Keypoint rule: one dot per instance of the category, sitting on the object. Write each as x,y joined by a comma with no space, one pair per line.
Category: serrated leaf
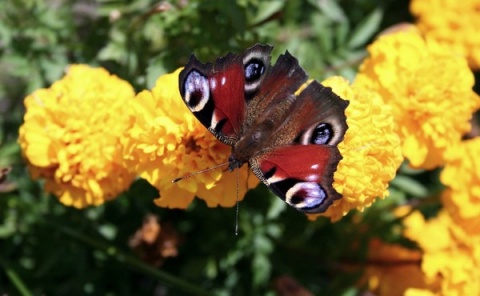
365,30
53,65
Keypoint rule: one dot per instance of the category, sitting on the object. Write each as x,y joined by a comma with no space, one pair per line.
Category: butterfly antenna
238,204
199,172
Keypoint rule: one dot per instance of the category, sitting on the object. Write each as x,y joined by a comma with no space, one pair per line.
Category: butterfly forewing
215,95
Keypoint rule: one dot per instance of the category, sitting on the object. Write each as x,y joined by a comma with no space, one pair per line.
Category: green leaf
366,29
266,9
331,9
261,268
410,186
341,33
277,207
155,68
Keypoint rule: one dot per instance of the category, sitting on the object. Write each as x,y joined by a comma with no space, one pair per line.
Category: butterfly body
288,140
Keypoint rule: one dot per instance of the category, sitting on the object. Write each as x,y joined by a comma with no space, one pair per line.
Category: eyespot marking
305,195
320,134
254,70
197,91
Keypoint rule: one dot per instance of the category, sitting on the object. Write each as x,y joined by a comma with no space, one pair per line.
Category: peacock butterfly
289,140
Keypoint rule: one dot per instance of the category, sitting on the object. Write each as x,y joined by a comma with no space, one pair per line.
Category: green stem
135,263
15,279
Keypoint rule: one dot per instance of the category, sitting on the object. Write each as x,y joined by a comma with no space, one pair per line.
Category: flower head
462,176
450,255
167,142
429,89
452,23
71,136
370,150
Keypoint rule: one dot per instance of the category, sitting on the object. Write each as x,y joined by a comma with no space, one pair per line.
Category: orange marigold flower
370,150
163,145
450,255
429,89
418,292
71,136
452,23
386,267
462,175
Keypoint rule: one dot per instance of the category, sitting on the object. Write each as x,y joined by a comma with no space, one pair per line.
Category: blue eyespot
254,70
197,91
322,134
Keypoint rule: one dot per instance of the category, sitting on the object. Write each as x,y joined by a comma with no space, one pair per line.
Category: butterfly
288,139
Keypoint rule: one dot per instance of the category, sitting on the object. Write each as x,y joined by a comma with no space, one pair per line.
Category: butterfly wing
279,82
301,159
300,175
217,93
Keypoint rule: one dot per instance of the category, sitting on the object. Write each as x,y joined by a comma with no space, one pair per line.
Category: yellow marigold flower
370,150
462,175
453,23
71,136
429,89
449,253
163,145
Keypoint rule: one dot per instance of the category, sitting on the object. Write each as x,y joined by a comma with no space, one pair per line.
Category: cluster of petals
71,136
451,23
451,255
428,88
445,261
461,175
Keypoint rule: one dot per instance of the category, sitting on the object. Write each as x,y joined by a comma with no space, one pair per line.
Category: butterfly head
233,163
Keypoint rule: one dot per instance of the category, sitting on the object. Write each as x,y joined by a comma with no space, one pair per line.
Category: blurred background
130,246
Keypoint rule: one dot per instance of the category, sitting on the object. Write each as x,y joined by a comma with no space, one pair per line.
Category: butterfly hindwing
300,162
301,175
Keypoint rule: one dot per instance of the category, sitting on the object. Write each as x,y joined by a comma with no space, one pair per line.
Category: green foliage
50,249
